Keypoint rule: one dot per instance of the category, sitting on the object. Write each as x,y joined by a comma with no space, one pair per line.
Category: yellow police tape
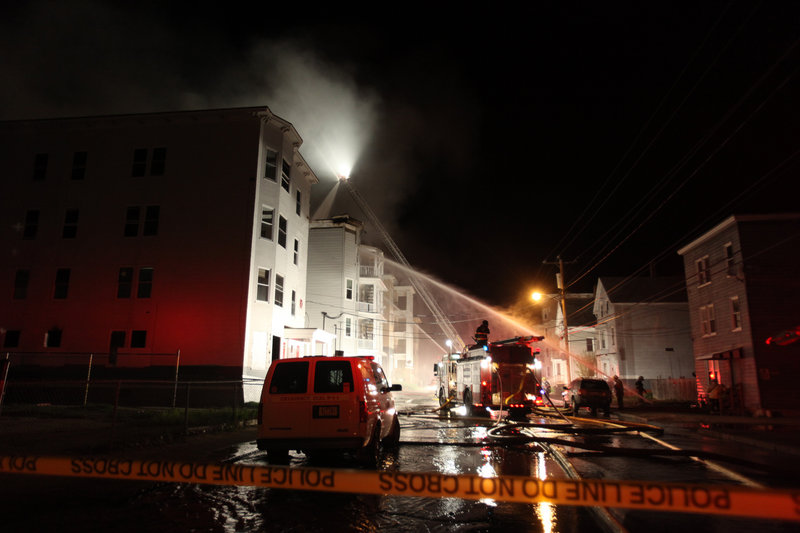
681,497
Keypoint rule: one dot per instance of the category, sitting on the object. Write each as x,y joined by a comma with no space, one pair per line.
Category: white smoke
334,117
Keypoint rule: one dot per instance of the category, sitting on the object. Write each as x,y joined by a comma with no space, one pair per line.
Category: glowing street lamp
536,296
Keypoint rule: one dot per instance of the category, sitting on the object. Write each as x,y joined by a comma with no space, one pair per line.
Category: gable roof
668,289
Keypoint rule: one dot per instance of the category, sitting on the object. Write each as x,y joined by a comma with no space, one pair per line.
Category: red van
327,403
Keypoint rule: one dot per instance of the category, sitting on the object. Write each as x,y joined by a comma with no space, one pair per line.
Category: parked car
585,392
320,403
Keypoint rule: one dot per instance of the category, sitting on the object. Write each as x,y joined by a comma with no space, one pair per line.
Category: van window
289,378
380,378
333,376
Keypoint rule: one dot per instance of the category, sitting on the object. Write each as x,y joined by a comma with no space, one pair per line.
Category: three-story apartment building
743,289
147,234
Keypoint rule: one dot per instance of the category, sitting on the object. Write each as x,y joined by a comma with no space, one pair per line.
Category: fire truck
499,374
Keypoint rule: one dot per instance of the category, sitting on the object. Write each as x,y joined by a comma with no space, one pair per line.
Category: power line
703,141
641,132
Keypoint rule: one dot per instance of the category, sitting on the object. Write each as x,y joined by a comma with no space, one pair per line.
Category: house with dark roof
643,328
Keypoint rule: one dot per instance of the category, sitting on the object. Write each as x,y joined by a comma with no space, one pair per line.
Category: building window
294,302
282,231
285,170
348,290
296,251
730,266
708,320
12,339
402,302
366,329
736,314
278,290
139,167
62,284
271,165
298,204
159,163
267,221
589,345
79,165
262,290
132,221
613,337
40,167
70,230
116,341
348,327
138,338
21,280
52,339
151,215
703,271
603,341
367,295
124,282
145,288
31,224
401,346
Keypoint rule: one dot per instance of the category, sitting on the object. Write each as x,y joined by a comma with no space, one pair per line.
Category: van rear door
334,407
285,399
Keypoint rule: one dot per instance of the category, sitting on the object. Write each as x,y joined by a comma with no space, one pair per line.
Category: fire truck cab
500,374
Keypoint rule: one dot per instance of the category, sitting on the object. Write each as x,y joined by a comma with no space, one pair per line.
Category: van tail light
362,411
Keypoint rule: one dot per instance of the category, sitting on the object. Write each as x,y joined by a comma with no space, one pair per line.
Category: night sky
487,141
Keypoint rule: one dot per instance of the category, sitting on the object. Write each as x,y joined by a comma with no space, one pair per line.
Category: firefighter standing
482,334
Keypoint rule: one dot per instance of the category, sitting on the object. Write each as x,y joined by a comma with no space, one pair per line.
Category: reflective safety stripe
733,500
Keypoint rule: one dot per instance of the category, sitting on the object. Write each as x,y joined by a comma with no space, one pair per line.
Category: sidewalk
778,435
83,437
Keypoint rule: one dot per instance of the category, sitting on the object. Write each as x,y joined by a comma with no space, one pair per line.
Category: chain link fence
70,385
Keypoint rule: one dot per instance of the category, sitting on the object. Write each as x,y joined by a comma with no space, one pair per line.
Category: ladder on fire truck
438,315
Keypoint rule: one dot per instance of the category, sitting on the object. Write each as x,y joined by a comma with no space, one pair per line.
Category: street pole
562,286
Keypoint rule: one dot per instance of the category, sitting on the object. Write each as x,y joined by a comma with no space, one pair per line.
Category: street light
536,296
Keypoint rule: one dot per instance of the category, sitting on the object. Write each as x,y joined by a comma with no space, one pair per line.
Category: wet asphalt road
429,443
32,503
258,509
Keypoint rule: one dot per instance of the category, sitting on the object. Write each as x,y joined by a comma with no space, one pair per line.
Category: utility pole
562,286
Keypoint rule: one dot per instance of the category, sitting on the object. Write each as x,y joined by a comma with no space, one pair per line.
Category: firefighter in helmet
482,334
